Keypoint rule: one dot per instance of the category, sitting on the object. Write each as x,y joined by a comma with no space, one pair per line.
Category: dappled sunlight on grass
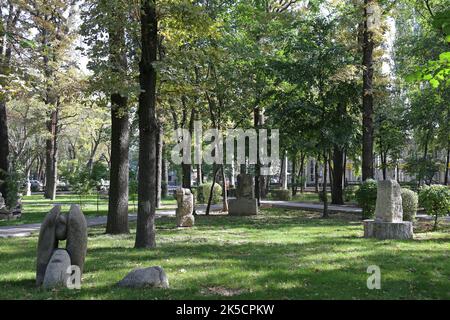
279,254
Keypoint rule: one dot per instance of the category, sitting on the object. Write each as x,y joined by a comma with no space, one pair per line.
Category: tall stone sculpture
185,202
245,203
388,223
50,269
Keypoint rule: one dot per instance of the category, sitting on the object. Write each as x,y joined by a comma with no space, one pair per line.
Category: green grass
35,207
277,255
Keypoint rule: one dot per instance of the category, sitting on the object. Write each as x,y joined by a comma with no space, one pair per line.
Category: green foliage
204,190
281,194
435,199
99,171
409,203
350,193
366,196
12,183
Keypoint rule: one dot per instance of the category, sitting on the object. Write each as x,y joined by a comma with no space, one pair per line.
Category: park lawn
279,254
35,207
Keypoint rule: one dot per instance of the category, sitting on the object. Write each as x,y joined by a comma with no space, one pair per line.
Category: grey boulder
152,277
56,274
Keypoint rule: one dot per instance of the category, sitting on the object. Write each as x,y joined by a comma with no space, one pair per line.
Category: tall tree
118,191
367,94
145,229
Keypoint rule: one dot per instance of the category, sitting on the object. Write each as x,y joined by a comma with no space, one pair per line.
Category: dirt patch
222,291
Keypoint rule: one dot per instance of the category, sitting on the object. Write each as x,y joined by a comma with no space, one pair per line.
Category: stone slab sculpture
185,209
56,273
388,222
152,277
245,203
57,227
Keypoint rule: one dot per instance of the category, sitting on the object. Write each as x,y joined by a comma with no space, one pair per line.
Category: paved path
332,208
311,206
25,230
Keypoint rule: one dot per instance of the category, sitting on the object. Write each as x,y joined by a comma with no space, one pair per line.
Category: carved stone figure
185,202
57,227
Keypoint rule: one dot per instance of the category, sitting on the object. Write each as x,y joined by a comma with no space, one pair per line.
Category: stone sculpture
54,228
388,223
185,202
245,203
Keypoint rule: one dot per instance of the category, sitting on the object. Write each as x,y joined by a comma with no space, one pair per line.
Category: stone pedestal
185,202
388,223
242,207
245,204
388,230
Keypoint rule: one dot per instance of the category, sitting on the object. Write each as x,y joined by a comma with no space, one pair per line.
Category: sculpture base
388,230
242,207
185,221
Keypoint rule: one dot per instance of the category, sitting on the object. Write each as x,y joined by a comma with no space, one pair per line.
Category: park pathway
24,230
310,206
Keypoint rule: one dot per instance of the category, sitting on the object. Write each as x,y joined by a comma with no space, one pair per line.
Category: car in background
36,186
62,186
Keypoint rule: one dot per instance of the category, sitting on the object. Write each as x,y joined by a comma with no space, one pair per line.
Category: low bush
366,196
409,202
350,193
205,189
281,194
435,199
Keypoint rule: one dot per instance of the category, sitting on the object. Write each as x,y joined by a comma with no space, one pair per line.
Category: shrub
203,193
366,196
435,199
409,203
350,193
281,194
13,188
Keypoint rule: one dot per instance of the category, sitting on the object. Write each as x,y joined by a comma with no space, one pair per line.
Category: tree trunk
224,190
302,173
165,176
159,149
51,152
4,146
199,175
367,97
338,172
447,164
324,188
117,221
316,175
208,206
145,228
294,176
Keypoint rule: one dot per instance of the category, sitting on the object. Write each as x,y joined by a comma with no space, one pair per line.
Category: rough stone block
242,207
388,230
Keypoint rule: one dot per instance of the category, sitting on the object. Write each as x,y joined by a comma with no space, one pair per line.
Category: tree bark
294,175
165,176
4,146
324,188
117,222
338,172
224,190
159,149
51,152
215,171
367,97
316,175
447,164
145,228
302,173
